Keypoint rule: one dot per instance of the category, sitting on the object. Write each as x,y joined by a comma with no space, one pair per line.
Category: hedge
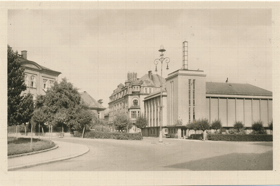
110,135
196,136
234,137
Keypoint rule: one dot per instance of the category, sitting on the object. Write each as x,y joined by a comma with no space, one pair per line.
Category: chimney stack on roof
150,74
185,55
24,54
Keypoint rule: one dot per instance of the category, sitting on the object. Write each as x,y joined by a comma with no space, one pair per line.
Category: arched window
135,102
33,81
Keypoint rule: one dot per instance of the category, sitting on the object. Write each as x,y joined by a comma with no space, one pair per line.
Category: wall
231,109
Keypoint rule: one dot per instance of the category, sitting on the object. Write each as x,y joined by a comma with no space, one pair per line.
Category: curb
35,152
48,161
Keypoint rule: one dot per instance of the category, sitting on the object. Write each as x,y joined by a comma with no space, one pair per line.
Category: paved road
173,155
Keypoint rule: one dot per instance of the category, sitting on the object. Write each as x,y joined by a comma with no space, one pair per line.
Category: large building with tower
189,97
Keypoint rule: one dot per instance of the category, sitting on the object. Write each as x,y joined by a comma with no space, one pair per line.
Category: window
26,80
194,113
133,114
194,92
189,92
138,113
33,82
145,90
135,102
45,83
98,114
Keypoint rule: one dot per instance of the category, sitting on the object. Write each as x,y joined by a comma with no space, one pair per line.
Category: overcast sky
94,49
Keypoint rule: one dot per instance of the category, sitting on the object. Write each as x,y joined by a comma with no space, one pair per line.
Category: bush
258,128
101,128
196,136
110,135
235,131
222,130
230,137
216,125
238,125
202,124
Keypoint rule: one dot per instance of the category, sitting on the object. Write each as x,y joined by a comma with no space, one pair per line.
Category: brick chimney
24,54
150,74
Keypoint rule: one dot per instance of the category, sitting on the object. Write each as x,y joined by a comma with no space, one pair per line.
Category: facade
37,77
152,104
95,106
128,97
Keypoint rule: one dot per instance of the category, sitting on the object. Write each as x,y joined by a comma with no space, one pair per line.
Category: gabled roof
40,67
91,102
235,89
155,81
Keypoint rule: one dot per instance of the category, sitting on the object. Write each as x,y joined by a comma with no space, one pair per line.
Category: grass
22,145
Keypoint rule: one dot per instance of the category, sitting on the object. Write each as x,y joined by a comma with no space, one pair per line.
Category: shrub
222,130
202,124
238,125
216,125
258,128
110,135
196,136
101,128
230,137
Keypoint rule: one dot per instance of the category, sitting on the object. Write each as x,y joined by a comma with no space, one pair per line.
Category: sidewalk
64,151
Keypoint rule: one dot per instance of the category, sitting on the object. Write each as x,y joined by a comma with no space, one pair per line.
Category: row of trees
122,122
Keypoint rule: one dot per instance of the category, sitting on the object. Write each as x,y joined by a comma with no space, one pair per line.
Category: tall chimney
24,54
185,55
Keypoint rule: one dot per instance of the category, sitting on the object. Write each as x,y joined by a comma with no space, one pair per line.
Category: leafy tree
203,124
216,125
258,127
62,101
83,119
238,125
141,122
121,121
16,86
40,117
26,108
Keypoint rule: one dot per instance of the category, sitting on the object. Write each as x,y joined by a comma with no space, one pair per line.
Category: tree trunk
83,132
16,132
43,134
31,139
25,129
39,130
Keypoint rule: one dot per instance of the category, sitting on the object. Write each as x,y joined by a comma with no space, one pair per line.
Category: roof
155,81
235,89
25,61
91,102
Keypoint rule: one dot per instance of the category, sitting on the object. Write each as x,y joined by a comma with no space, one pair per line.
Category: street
172,155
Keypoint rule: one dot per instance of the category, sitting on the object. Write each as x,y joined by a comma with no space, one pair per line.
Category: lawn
22,145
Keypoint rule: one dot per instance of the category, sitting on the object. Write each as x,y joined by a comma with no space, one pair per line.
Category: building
128,97
189,97
37,77
95,106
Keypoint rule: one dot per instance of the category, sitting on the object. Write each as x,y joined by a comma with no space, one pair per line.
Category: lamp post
161,60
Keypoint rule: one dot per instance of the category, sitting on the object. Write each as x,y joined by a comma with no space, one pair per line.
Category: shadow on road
234,161
268,144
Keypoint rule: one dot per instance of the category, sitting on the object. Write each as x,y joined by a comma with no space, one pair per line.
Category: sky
95,49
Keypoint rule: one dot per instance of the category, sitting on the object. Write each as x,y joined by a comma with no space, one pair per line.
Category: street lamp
161,60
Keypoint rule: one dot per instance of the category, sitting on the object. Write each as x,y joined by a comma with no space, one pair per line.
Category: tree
16,86
26,109
121,121
83,119
40,117
62,101
216,125
203,124
141,122
258,127
238,125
